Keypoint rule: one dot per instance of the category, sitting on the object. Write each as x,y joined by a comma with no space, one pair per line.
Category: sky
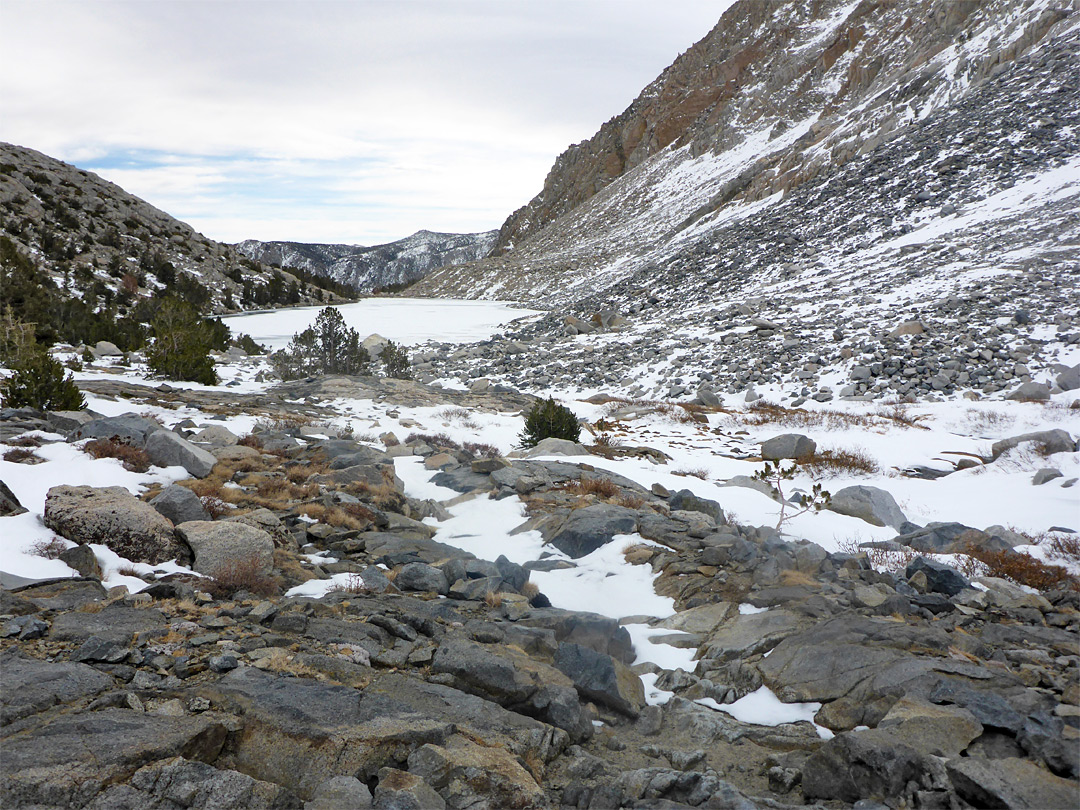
351,121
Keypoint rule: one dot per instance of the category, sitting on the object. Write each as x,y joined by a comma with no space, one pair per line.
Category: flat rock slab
219,545
748,633
299,732
64,761
32,686
586,530
1010,783
116,624
63,594
115,518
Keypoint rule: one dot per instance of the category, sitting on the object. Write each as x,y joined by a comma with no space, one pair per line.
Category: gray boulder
1069,379
853,766
1031,392
32,686
268,522
401,790
874,505
217,436
949,538
940,578
219,544
422,577
9,504
116,518
471,775
1049,441
202,786
83,560
601,678
340,792
1010,783
129,427
168,449
787,445
685,500
1044,475
589,528
179,504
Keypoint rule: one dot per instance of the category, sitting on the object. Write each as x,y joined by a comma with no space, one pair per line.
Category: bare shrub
252,440
215,506
49,549
630,501
696,472
353,583
831,462
134,459
440,440
1065,548
22,455
530,590
242,575
481,450
28,440
493,600
1024,569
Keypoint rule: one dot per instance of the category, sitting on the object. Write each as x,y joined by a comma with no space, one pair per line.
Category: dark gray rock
787,445
82,559
1031,392
591,630
601,678
9,504
872,504
65,760
940,578
1069,379
850,767
179,504
421,577
116,518
116,623
168,449
950,538
1045,475
1009,783
32,686
129,427
585,530
685,500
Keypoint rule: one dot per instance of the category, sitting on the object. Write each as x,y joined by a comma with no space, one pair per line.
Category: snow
404,320
763,708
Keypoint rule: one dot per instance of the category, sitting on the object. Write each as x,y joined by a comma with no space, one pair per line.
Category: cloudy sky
355,121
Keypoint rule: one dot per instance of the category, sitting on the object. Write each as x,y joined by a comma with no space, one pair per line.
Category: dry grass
530,590
461,416
134,459
439,440
383,496
980,421
630,501
351,516
791,577
1065,548
242,575
493,600
27,441
22,455
49,549
695,472
481,450
764,412
251,440
600,487
831,462
352,584
215,507
129,571
1024,569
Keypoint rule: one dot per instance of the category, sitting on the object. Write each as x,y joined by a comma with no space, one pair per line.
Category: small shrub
481,450
251,440
353,583
1023,569
696,472
548,419
242,575
440,440
134,459
1065,548
248,344
601,487
493,600
831,462
774,474
395,360
215,507
530,590
630,501
40,382
23,455
49,549
28,440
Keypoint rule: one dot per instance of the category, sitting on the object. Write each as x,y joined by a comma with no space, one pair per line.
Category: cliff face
778,93
371,268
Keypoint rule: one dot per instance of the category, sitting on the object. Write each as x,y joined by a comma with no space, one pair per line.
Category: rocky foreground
427,678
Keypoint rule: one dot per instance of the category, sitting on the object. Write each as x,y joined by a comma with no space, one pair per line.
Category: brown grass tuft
1024,569
251,440
242,575
27,441
530,590
789,576
630,501
493,600
696,472
22,455
830,462
134,459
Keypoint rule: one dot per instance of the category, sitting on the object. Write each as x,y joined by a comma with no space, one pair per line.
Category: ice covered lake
402,320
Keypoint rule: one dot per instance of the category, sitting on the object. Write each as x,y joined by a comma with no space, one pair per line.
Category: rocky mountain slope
96,241
929,165
365,269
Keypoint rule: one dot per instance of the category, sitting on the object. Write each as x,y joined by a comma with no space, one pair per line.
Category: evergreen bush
548,419
329,346
182,344
395,360
40,382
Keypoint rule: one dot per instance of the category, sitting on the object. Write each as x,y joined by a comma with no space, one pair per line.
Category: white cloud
344,121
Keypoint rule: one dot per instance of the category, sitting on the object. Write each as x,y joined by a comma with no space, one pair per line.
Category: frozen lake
403,320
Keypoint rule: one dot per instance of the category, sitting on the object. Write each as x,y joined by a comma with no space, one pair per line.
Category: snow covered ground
703,457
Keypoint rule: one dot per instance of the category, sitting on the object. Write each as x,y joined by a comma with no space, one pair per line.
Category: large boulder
858,765
515,681
1031,392
1048,442
32,686
1069,378
940,578
600,633
470,775
601,678
9,504
787,445
168,449
1009,783
116,518
950,538
129,427
217,436
685,500
179,504
552,446
585,530
872,504
220,544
